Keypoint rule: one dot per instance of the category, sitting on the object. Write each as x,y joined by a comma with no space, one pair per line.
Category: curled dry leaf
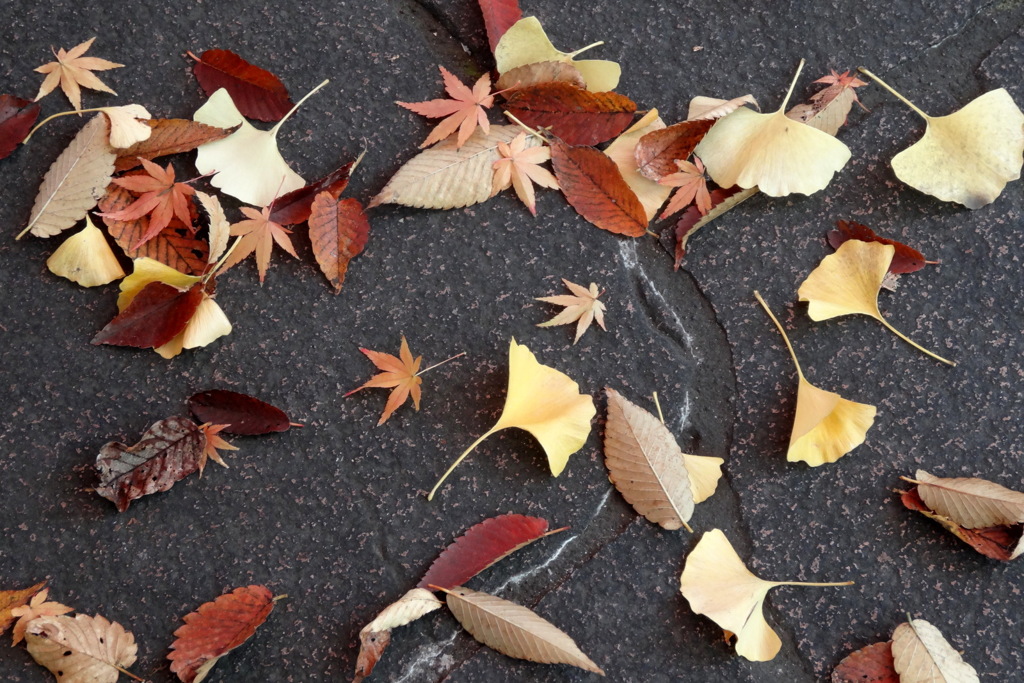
11,600
656,153
216,628
81,649
17,116
166,137
514,630
156,315
578,117
239,414
847,283
905,259
622,151
499,16
338,230
540,72
462,113
376,635
922,655
871,664
39,606
295,206
713,108
520,167
73,71
693,220
86,259
544,402
128,125
401,375
1001,542
258,93
525,42
220,228
581,307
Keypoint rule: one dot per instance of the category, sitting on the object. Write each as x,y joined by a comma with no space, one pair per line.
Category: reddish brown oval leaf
540,72
154,317
169,136
338,230
871,664
240,413
295,206
480,547
216,628
656,153
905,260
499,15
998,542
594,187
168,452
578,117
16,119
257,93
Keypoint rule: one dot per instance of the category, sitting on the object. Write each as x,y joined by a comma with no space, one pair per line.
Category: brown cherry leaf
240,414
401,375
16,119
295,206
11,600
462,113
338,231
657,152
577,116
905,260
158,314
38,607
871,664
376,635
257,93
581,307
169,136
1001,542
81,649
499,16
72,71
258,233
922,655
540,72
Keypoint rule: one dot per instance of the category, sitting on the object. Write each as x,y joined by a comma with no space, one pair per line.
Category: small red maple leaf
464,111
841,81
159,196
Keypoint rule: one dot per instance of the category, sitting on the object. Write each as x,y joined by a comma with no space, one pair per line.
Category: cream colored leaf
220,228
704,471
525,42
375,636
972,503
447,177
651,194
581,307
718,585
514,630
646,465
75,181
147,270
206,325
922,655
81,649
86,258
702,107
127,125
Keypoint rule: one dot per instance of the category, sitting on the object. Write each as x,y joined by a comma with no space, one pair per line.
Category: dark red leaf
169,136
482,546
16,119
155,316
168,452
692,219
256,92
243,414
294,207
997,542
905,260
338,230
871,664
578,117
499,15
594,187
656,152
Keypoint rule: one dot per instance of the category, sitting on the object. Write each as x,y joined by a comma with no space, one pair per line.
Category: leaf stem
584,49
430,496
556,531
818,585
51,117
785,337
458,355
657,404
792,85
915,344
888,87
525,127
298,104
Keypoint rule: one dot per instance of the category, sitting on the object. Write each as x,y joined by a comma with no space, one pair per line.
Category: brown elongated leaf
1001,542
169,136
154,317
922,655
578,117
905,260
449,177
81,649
338,230
691,221
621,151
657,152
376,635
74,182
10,600
593,185
216,628
499,16
871,664
294,207
239,413
16,119
540,72
514,630
257,93
970,502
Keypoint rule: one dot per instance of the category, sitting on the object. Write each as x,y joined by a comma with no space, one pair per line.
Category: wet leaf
657,152
871,664
462,113
581,307
73,71
154,317
240,414
525,42
17,116
39,606
294,207
168,136
256,92
922,655
578,117
622,151
86,259
401,375
904,260
338,230
81,649
499,16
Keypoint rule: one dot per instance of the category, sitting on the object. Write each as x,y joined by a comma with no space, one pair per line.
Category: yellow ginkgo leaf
651,194
207,325
773,152
718,585
527,43
826,426
127,125
544,402
847,283
146,270
968,156
86,258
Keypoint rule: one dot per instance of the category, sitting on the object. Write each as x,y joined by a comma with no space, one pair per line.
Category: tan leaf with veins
401,375
972,503
582,306
520,167
922,655
81,649
73,72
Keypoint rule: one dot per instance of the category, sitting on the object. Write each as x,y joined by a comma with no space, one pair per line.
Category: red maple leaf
464,111
159,196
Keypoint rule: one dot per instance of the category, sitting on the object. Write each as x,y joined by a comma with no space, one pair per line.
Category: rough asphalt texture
334,514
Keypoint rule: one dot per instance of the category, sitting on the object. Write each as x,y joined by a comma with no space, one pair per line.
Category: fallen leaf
718,585
1000,542
773,152
240,414
540,72
220,228
214,444
159,197
970,502
514,630
208,324
582,305
968,156
525,42
86,259
656,153
258,233
12,600
922,655
826,426
73,72
81,649
578,117
462,113
449,177
594,187
216,628
17,116
401,375
904,260
544,402
692,188
154,317
128,125
295,206
146,271
871,664
338,230
38,607
828,109
847,283
520,167
499,17
713,108
622,151
258,93
376,635
692,220
74,182
168,136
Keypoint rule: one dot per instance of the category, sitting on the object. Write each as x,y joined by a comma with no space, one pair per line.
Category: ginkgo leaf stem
298,104
657,404
818,585
584,49
915,344
425,370
430,496
785,337
792,85
525,127
58,115
888,87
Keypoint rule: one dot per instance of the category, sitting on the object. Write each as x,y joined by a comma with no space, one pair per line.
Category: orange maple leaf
159,196
400,374
842,81
74,72
258,234
214,441
520,168
464,111
692,184
38,607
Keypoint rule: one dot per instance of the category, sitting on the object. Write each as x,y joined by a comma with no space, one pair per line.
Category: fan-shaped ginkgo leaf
848,281
922,655
81,649
128,125
525,42
718,585
544,402
86,258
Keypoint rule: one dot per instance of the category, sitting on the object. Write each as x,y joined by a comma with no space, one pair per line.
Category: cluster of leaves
917,653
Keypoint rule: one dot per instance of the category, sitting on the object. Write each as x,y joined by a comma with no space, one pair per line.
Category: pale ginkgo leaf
702,107
220,227
922,655
651,194
86,258
778,155
718,585
81,649
581,307
525,42
206,325
970,502
968,156
847,283
127,125
826,426
146,271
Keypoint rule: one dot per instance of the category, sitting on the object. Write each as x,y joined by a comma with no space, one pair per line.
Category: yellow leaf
651,194
527,43
968,156
771,151
847,283
147,270
718,585
127,125
544,402
86,258
826,426
207,325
